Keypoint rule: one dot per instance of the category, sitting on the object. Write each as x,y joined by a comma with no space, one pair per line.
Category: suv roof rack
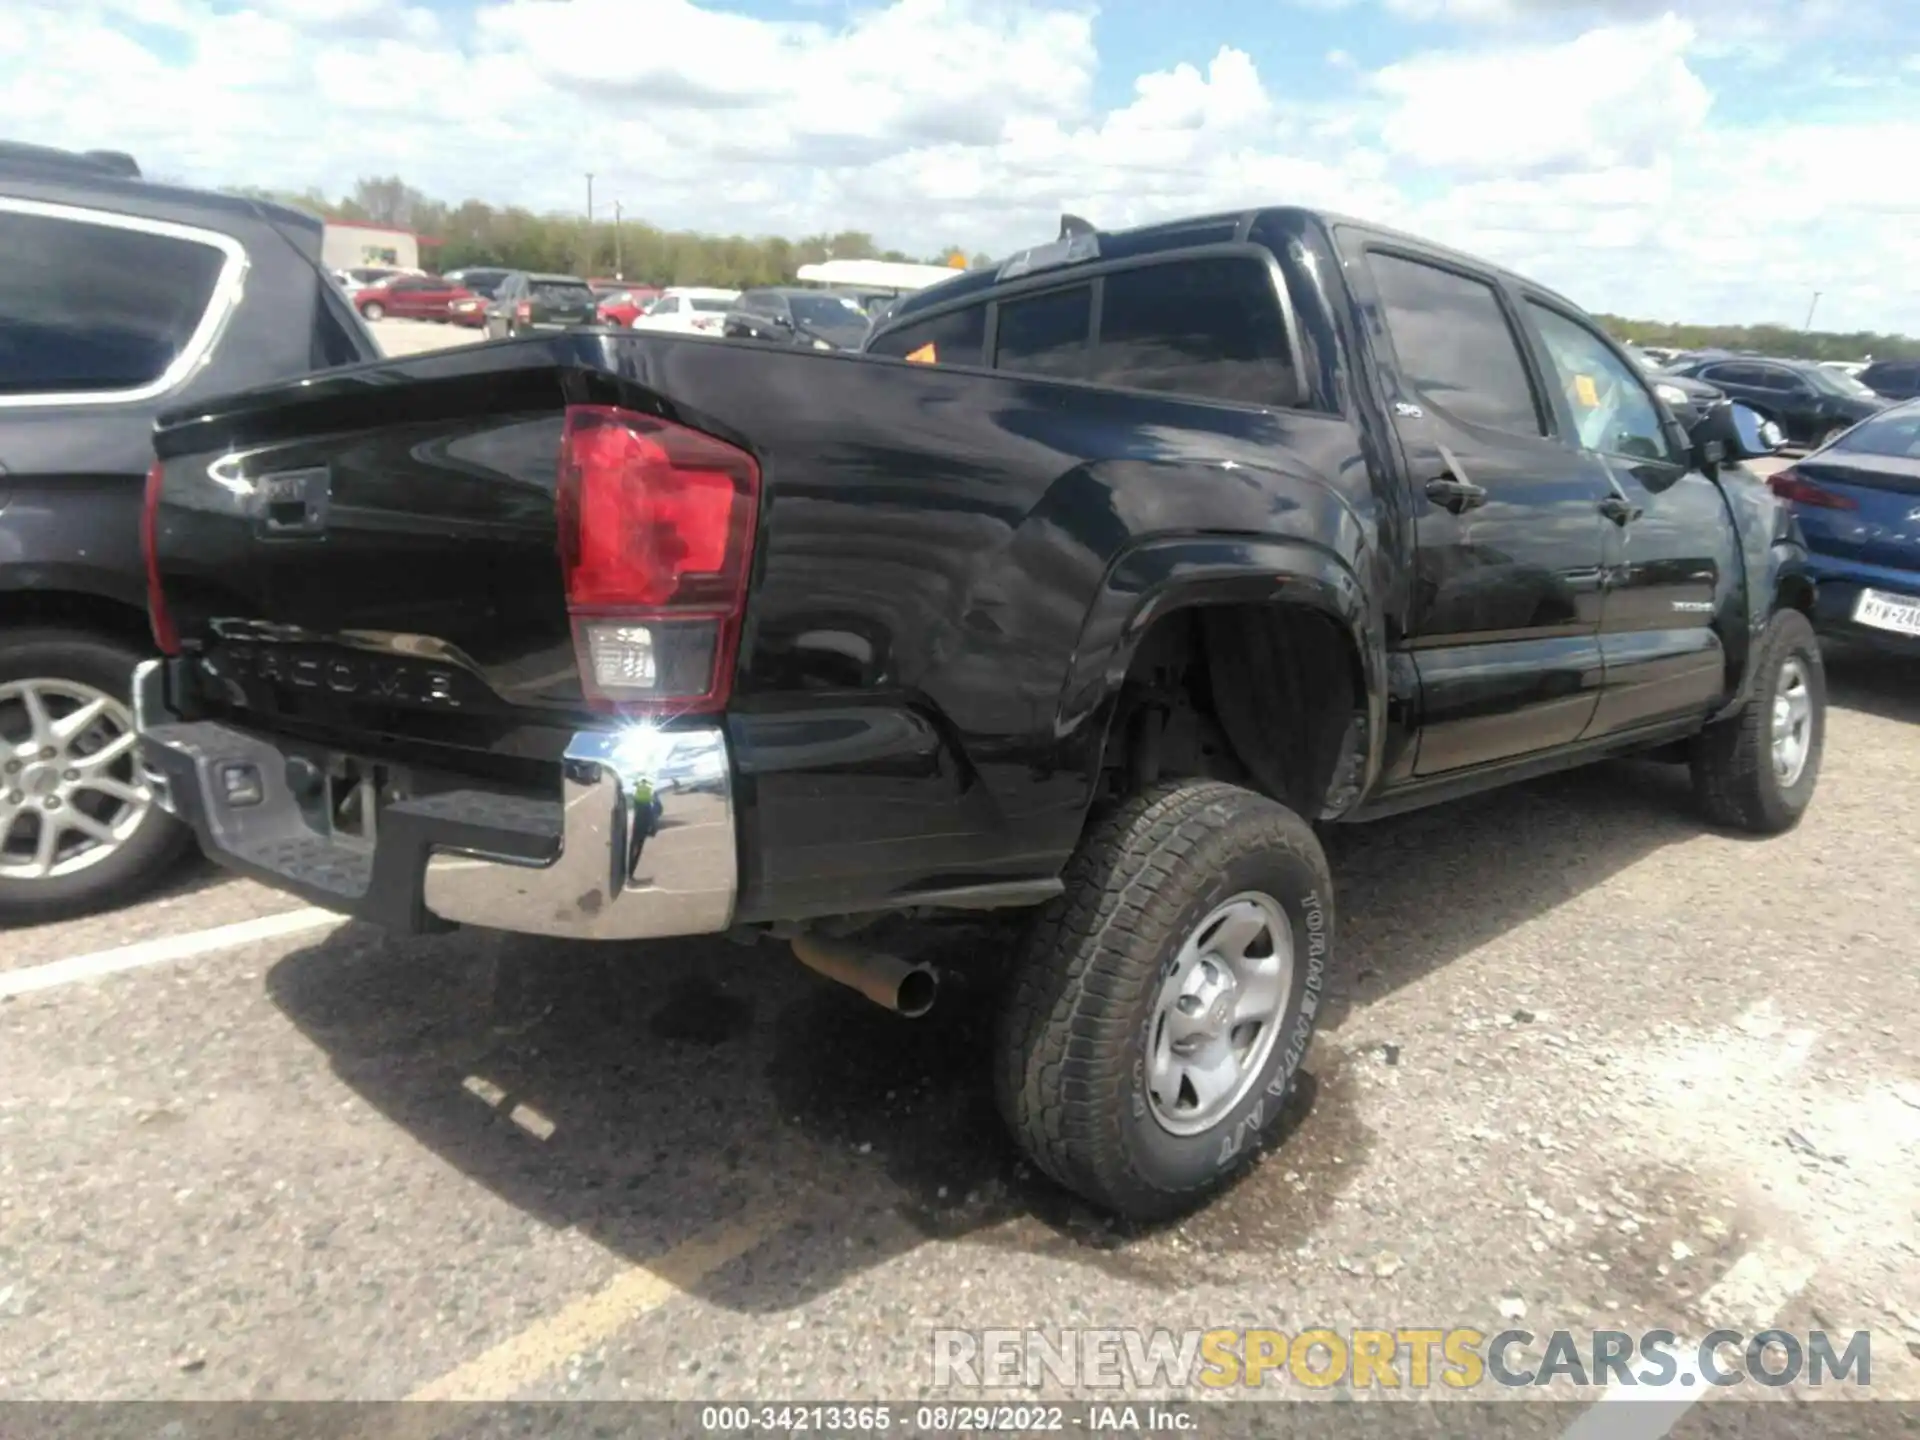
117,163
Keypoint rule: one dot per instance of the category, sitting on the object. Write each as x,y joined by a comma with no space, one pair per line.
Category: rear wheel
373,310
1829,435
1164,1001
1756,770
78,826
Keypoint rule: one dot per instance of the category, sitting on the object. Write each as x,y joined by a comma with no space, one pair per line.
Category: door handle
1620,510
1456,495
1454,490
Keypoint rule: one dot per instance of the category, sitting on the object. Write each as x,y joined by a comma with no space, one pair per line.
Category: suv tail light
656,538
164,635
1790,484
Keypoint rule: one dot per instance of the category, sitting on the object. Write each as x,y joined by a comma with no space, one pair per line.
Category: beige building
345,244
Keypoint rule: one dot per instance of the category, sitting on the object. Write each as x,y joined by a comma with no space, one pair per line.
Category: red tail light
164,635
1790,484
656,537
523,311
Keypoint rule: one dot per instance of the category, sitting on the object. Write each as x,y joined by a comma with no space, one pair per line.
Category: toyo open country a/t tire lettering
1164,899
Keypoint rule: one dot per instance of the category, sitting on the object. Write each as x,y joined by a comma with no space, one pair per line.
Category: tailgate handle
293,502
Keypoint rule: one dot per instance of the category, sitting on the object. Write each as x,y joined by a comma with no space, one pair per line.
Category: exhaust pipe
890,982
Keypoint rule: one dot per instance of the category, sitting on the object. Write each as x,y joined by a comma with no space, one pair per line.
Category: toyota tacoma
1089,589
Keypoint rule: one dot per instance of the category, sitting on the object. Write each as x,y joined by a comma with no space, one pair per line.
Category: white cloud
1585,146
1617,96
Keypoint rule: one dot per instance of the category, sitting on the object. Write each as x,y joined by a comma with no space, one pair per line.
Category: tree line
476,233
1779,340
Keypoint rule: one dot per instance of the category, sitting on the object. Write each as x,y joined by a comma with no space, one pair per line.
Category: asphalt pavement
1588,1064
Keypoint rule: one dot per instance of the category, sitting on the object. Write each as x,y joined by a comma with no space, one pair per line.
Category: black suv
1811,403
118,298
1893,379
793,316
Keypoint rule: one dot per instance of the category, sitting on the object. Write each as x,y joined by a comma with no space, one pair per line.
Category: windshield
1838,382
828,312
562,292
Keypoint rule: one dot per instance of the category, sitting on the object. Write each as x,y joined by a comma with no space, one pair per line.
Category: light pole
589,197
1816,301
618,273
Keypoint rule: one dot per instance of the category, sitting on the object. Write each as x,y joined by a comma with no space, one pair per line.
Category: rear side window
709,305
1046,334
957,338
1208,327
1734,374
94,308
1454,344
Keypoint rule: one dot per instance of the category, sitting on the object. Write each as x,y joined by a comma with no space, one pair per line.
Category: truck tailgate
375,552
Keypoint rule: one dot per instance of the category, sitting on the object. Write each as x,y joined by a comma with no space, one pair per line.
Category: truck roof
1210,228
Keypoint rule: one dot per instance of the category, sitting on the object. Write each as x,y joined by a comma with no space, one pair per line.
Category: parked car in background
623,307
413,297
786,315
118,298
1686,397
1893,379
528,301
1811,405
482,280
688,309
1858,503
359,277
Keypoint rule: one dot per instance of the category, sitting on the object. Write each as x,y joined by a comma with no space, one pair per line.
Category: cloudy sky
1715,160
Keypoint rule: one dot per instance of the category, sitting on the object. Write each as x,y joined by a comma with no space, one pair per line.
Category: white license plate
1897,613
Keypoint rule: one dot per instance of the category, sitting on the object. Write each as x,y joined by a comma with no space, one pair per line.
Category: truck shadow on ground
641,1094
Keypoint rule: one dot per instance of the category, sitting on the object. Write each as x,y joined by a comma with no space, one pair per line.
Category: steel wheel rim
1217,1016
71,794
1792,722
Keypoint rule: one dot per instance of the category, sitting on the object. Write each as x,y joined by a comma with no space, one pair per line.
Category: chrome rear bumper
639,844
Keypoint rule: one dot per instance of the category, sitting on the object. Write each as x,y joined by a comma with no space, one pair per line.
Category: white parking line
162,951
1757,1287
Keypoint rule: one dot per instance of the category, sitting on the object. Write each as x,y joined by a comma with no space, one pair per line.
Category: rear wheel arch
1273,695
78,610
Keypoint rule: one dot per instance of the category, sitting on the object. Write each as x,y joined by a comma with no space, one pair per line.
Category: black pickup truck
1091,588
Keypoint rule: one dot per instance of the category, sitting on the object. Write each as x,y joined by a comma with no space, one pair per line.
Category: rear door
1504,620
1670,565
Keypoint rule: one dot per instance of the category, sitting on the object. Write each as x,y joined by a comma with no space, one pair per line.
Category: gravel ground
1588,1064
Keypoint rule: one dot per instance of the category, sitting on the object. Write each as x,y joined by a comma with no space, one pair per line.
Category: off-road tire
1070,1058
1733,774
105,663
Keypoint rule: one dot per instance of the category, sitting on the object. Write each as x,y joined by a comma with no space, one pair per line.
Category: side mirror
1730,432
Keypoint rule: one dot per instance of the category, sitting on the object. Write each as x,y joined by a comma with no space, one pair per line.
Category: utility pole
618,273
589,197
1816,301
